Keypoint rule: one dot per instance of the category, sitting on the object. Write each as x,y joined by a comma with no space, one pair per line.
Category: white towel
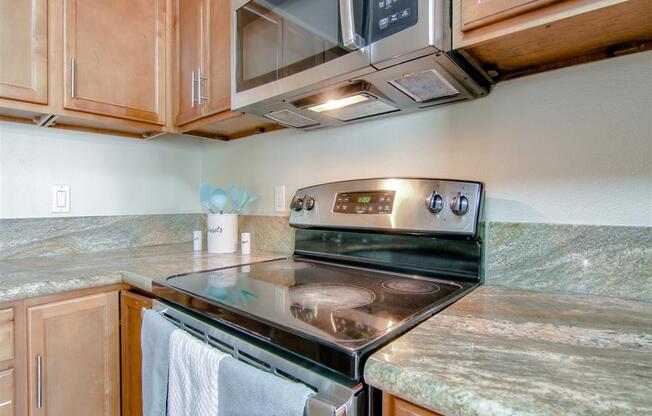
193,376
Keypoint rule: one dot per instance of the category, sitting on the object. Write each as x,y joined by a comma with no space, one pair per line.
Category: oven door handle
349,38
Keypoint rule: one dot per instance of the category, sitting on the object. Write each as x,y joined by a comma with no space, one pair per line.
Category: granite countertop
36,276
509,352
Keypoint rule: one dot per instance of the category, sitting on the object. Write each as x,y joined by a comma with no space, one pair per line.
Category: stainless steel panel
410,213
351,65
332,396
432,31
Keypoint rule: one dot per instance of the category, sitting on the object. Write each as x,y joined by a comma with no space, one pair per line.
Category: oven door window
278,38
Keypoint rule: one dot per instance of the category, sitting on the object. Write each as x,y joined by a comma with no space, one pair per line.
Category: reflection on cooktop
337,303
410,286
330,296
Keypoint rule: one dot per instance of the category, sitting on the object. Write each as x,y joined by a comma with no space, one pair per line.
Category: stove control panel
398,205
364,202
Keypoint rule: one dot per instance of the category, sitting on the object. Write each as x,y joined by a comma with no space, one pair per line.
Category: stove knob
435,203
296,204
460,204
308,202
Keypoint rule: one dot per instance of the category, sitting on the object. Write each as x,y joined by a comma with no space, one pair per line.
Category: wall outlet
60,198
279,198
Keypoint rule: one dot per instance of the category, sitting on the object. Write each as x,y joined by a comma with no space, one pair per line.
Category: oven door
280,46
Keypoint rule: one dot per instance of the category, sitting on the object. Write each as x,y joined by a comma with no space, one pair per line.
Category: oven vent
425,86
291,119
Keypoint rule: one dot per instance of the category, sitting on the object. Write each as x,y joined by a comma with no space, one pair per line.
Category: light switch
279,198
60,198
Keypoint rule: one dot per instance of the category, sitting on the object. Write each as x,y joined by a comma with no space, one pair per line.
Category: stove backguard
456,259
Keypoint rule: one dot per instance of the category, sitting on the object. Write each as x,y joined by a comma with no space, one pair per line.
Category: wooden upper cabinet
188,22
114,58
23,50
512,38
217,56
478,13
74,345
203,63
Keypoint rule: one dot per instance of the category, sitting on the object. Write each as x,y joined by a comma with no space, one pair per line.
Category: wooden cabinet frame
35,90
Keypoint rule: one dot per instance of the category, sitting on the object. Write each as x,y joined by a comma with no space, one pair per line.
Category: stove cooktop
329,313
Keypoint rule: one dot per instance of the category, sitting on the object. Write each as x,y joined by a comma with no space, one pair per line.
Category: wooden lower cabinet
73,356
393,406
7,392
131,305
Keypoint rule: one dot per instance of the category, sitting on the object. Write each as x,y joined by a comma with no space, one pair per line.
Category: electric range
372,259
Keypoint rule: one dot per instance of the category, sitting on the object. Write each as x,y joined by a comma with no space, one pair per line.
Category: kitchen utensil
243,199
205,194
218,199
235,198
246,203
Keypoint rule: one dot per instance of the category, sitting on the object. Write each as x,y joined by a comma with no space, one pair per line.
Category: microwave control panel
392,16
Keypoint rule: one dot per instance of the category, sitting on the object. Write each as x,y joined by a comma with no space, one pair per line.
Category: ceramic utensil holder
222,234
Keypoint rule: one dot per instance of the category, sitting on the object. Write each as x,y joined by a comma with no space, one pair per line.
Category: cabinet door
217,57
188,51
73,357
393,406
478,13
131,306
114,58
23,48
7,394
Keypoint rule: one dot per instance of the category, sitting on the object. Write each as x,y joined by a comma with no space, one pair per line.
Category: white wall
567,146
108,175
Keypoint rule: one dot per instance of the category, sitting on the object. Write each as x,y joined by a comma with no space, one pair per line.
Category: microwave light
342,102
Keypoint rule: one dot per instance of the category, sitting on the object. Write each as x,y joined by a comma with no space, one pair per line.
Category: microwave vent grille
425,86
291,119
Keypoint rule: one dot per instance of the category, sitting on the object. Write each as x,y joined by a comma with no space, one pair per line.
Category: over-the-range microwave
316,63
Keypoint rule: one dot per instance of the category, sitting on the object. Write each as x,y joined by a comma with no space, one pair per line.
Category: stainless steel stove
372,259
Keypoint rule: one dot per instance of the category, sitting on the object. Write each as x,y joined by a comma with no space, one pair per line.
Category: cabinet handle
192,90
39,382
201,79
73,80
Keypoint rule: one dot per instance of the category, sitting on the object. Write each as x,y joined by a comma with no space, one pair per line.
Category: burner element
418,287
330,296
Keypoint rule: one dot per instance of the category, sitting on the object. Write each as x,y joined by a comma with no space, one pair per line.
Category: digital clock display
369,202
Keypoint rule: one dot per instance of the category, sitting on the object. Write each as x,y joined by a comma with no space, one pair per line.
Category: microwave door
408,30
284,45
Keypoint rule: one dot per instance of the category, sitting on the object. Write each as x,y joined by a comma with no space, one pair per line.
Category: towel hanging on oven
248,391
193,376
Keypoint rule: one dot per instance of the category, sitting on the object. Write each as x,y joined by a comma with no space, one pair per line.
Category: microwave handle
348,25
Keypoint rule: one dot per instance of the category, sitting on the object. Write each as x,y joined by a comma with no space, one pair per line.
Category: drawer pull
39,382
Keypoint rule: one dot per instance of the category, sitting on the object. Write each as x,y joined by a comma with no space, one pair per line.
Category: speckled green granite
32,237
270,233
582,259
506,352
36,276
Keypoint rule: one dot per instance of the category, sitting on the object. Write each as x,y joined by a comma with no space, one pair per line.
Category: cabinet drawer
7,334
7,392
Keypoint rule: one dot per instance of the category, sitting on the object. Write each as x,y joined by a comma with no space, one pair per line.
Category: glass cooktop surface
345,305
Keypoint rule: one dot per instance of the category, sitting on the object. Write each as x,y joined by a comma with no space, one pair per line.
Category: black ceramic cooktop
347,306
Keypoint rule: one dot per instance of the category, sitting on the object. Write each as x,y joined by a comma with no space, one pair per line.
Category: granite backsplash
610,261
35,237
